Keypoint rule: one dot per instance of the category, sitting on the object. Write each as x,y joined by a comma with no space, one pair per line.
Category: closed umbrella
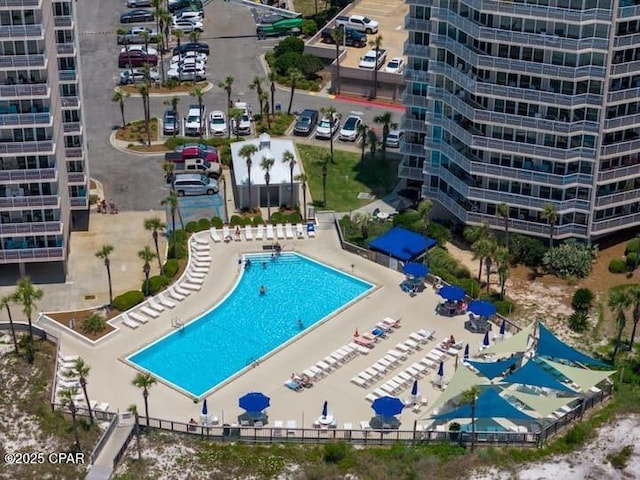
451,293
441,369
414,389
204,415
417,270
466,352
503,327
482,308
325,409
486,342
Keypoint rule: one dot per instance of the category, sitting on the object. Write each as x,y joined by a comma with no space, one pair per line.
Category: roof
489,404
493,369
551,346
518,343
541,404
533,374
583,377
462,380
271,148
402,244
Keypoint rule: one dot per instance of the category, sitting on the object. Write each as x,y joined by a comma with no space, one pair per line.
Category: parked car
395,65
328,127
190,62
208,149
369,60
190,8
195,121
199,47
394,138
243,127
138,3
349,131
307,121
137,16
200,57
187,73
136,58
217,124
135,35
170,123
179,4
351,38
194,184
137,75
188,26
142,48
192,15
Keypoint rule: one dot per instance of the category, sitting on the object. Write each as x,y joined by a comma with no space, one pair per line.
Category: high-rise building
43,167
528,103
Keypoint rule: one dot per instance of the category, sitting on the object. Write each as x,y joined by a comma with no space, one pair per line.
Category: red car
136,58
196,151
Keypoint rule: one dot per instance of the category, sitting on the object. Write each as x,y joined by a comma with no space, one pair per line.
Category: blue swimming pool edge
196,398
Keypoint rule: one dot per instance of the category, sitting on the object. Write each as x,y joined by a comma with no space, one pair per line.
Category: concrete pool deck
110,378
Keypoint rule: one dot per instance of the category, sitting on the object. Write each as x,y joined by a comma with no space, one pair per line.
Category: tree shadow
534,274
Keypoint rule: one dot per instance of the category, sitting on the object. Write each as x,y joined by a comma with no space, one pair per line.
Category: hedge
217,222
258,220
277,217
632,246
178,244
632,260
191,227
235,220
156,284
127,300
617,265
294,217
170,268
204,224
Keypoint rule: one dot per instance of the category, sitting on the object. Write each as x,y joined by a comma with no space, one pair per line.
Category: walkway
103,466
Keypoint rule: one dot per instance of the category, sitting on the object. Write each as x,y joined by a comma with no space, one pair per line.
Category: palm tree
247,152
337,35
272,79
362,132
302,179
634,298
550,214
103,254
156,4
619,301
194,36
376,43
119,97
331,114
198,93
235,115
81,371
173,103
26,294
482,249
143,89
294,77
264,107
372,140
386,120
159,38
470,396
266,165
502,211
145,39
67,400
147,256
136,427
169,169
226,86
256,85
502,259
145,381
424,209
176,32
165,20
325,171
154,224
123,33
5,303
174,204
289,159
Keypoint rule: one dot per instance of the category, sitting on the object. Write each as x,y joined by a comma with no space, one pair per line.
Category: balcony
413,50
416,75
68,76
625,68
66,49
617,198
417,25
414,125
620,148
621,95
16,148
29,91
618,223
30,201
79,202
73,127
628,12
17,32
411,173
626,121
13,120
76,178
30,228
70,102
32,255
529,227
40,174
538,96
22,61
19,3
73,152
63,21
523,10
619,173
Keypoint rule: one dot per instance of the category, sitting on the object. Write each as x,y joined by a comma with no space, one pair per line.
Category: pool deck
110,378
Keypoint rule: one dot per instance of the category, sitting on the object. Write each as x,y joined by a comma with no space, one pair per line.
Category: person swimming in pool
263,290
300,324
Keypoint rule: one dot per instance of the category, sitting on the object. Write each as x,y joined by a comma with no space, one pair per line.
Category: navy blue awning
551,346
489,404
402,244
492,369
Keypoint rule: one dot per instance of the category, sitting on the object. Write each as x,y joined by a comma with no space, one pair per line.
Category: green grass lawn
347,177
308,7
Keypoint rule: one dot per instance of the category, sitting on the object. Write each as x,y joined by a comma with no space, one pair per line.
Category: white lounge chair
279,231
68,358
194,280
176,294
248,232
191,286
200,249
155,305
269,231
181,291
226,234
202,258
359,381
311,230
128,322
260,232
200,263
138,318
192,273
299,231
213,231
359,348
164,302
288,230
201,240
197,269
149,311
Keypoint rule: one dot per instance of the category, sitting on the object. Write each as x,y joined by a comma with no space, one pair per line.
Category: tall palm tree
264,97
325,172
147,256
103,254
634,299
159,38
550,214
143,89
272,79
470,396
176,32
157,5
119,98
26,294
174,204
80,370
235,115
483,249
145,381
247,152
194,36
266,165
5,303
67,400
227,85
619,301
362,133
502,259
198,93
289,159
337,35
136,427
294,77
153,225
165,20
502,211
372,141
122,32
376,44
330,113
386,120
256,84
302,178
173,103
145,39
424,209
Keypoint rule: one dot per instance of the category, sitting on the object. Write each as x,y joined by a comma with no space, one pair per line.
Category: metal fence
103,439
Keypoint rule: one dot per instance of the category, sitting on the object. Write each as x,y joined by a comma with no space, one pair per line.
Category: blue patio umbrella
254,402
452,293
486,342
325,409
503,326
205,410
482,308
414,389
466,352
415,269
387,406
441,369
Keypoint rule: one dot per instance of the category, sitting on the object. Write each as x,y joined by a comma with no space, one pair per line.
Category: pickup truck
194,122
277,25
352,38
198,165
369,62
134,35
358,22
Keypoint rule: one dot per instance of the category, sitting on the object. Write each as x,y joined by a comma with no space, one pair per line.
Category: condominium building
527,103
43,168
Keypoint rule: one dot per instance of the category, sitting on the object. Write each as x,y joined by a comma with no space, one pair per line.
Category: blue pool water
245,325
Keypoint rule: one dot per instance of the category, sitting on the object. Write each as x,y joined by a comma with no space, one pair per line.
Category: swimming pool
245,325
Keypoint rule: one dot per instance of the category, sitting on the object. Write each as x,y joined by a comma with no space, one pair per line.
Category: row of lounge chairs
333,361
380,331
65,380
262,232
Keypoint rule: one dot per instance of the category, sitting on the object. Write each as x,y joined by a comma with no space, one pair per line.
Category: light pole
224,190
146,268
273,96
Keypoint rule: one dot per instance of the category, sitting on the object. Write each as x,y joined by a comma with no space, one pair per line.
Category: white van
194,184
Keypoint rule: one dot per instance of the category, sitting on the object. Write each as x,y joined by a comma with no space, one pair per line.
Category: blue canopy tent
489,404
552,347
482,308
402,244
415,270
492,369
531,373
452,293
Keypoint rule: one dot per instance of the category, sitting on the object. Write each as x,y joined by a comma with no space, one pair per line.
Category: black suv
307,121
180,4
192,47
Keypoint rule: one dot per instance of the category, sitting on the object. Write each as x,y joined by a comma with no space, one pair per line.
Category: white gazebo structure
280,175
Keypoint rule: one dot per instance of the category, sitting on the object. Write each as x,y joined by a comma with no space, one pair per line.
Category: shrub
156,284
204,224
504,307
582,300
632,260
127,300
191,227
178,244
235,220
617,265
170,268
570,258
527,250
257,220
309,28
632,246
246,221
289,45
440,259
619,460
470,285
294,217
277,217
94,324
335,452
310,65
439,232
217,222
578,321
411,220
287,61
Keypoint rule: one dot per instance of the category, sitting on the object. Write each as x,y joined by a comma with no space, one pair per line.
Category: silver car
394,138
